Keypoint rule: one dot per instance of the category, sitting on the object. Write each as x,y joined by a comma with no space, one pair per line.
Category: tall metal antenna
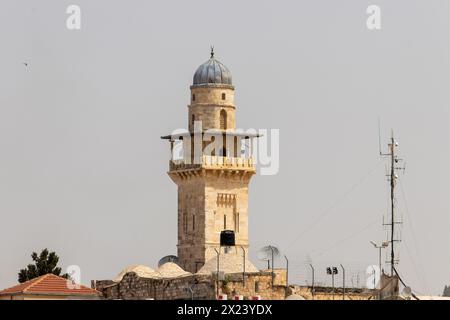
392,178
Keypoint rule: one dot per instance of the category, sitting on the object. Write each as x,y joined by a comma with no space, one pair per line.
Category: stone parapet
213,162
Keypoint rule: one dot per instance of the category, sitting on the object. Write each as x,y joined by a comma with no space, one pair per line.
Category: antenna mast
392,178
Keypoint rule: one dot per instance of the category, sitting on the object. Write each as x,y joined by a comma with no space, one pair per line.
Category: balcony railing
214,162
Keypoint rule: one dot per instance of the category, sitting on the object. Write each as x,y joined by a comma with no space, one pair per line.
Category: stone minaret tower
214,170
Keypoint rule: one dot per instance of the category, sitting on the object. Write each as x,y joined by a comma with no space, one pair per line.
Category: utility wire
399,278
416,247
413,263
349,237
339,200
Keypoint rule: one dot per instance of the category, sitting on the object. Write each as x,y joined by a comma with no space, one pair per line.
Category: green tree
446,292
45,262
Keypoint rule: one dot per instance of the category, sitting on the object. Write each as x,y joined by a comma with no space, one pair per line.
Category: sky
83,170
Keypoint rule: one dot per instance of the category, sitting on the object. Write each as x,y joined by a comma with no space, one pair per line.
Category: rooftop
228,263
141,270
50,284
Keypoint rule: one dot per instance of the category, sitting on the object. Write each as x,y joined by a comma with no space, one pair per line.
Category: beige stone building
214,171
138,283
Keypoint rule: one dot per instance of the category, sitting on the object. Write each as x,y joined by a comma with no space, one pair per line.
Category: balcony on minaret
203,151
213,162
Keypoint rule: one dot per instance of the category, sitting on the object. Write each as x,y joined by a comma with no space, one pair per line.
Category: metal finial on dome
212,72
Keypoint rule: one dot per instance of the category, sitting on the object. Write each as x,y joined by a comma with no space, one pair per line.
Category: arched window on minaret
223,120
193,120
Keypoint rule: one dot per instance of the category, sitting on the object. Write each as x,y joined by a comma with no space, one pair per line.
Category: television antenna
392,178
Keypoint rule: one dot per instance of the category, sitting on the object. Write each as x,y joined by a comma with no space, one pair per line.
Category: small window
193,97
223,96
256,286
224,222
193,119
223,120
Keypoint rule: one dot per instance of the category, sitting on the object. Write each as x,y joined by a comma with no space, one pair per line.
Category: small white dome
171,270
228,263
141,270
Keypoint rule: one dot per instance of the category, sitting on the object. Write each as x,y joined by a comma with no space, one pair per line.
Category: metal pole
343,282
379,279
271,249
217,278
392,202
393,178
287,272
379,266
312,289
374,278
332,281
243,271
379,259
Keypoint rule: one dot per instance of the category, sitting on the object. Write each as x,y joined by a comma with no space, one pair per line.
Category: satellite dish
266,253
169,258
407,292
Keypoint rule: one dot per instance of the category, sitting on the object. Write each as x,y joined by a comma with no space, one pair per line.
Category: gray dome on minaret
212,72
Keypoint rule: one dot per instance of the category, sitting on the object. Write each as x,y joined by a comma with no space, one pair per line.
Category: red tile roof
50,284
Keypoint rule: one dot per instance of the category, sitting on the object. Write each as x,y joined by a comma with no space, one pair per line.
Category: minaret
214,172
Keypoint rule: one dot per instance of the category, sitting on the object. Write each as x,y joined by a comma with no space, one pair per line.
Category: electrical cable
337,243
399,278
416,247
339,200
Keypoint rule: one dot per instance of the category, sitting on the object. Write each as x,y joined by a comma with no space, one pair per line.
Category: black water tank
227,238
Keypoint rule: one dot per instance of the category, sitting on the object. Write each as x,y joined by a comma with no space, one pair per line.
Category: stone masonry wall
326,293
256,284
133,287
205,287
